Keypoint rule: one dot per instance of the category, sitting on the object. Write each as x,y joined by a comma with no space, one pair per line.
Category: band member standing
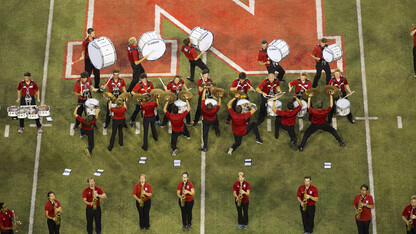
341,83
239,125
193,57
286,120
301,84
241,190
87,128
319,122
119,122
185,191
91,197
175,86
204,79
135,63
82,89
143,86
89,67
6,219
267,88
307,196
272,67
413,34
26,92
363,203
116,86
53,211
409,216
143,192
149,118
178,128
320,63
209,115
242,84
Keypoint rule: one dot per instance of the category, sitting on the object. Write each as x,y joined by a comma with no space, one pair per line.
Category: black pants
205,129
53,228
198,112
134,115
169,109
275,67
118,124
289,129
323,65
23,103
263,109
90,68
242,218
414,58
198,63
308,217
144,213
146,122
90,135
174,136
412,231
334,109
91,215
79,111
186,212
238,139
137,70
107,115
363,226
314,127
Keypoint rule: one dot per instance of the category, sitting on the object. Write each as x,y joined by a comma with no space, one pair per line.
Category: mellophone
29,111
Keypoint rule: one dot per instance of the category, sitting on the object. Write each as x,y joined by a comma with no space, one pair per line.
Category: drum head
343,103
212,101
92,102
204,39
328,55
278,50
277,104
152,43
95,55
179,103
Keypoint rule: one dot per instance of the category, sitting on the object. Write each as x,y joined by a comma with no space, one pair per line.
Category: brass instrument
183,195
142,196
57,214
410,222
16,222
304,204
94,199
360,209
240,195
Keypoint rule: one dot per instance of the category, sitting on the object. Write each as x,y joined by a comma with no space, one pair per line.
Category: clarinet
410,222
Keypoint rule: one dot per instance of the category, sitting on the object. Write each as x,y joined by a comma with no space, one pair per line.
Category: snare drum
201,38
304,108
90,106
332,53
44,111
343,107
278,50
212,101
12,111
244,103
270,111
21,113
152,43
182,106
33,114
102,53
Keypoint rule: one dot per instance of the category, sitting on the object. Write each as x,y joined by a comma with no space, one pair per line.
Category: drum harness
28,98
142,87
241,87
271,92
178,87
322,49
85,92
208,92
135,48
303,87
116,87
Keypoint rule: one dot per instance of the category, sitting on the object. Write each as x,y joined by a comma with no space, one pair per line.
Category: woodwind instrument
304,205
240,195
94,200
410,222
57,214
142,196
16,222
360,208
183,195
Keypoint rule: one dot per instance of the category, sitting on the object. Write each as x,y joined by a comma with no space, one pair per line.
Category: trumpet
142,196
410,222
16,222
94,200
240,195
183,195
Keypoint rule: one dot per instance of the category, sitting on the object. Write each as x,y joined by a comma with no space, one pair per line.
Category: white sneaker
230,151
40,130
175,152
20,130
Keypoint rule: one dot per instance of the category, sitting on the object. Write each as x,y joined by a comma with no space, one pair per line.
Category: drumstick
76,61
348,95
162,82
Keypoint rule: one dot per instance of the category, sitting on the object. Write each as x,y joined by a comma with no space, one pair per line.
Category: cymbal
208,84
313,91
141,98
328,88
219,93
126,96
156,92
169,97
109,96
183,95
242,94
277,96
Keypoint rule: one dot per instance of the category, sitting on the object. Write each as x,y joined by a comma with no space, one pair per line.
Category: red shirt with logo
242,86
298,84
81,87
115,85
262,57
289,116
317,52
246,186
209,115
239,124
176,120
118,112
5,220
132,53
50,209
148,108
85,43
312,191
340,84
88,194
172,86
189,186
366,213
319,115
406,213
82,121
190,52
137,190
143,88
266,86
32,87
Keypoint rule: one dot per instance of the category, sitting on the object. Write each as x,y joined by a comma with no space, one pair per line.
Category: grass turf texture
276,172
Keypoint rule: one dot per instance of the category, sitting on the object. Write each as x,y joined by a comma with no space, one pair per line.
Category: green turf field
277,171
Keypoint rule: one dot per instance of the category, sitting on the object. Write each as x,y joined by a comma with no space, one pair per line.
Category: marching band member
26,96
320,63
116,86
178,128
149,118
413,34
301,84
272,67
307,196
268,87
241,190
135,63
204,79
341,83
194,59
6,219
143,86
143,192
53,211
239,125
175,86
242,84
119,122
89,67
87,128
363,203
82,89
209,117
91,198
319,122
185,191
287,120
409,216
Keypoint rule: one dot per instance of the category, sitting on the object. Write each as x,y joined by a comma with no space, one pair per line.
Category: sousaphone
183,95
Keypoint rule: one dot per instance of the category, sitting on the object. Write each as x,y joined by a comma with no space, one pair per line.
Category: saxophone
94,200
57,214
183,195
410,222
240,195
142,196
16,222
360,209
304,205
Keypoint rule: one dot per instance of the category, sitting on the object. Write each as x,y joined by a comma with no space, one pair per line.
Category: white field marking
334,123
300,124
367,122
90,14
249,8
399,122
204,58
71,129
169,127
39,136
43,125
203,154
6,131
104,130
269,125
137,128
366,118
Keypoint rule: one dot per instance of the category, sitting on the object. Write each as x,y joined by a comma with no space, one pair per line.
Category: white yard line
334,123
300,124
71,129
6,131
104,130
39,138
137,128
202,225
43,125
399,122
269,125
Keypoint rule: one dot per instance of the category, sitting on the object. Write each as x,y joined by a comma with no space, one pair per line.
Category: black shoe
188,228
145,149
342,144
218,135
277,137
147,229
329,122
190,79
351,120
105,126
227,122
75,127
293,145
300,149
259,141
184,228
282,80
141,228
100,91
195,123
203,149
109,149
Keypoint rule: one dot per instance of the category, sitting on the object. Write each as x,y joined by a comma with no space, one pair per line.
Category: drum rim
281,54
213,38
102,55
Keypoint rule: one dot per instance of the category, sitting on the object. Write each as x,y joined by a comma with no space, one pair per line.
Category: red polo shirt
209,115
243,86
262,57
82,121
188,187
289,116
49,208
265,85
189,51
246,186
5,221
148,108
143,88
173,87
319,115
366,214
176,120
32,87
112,84
414,38
137,190
118,112
340,84
312,191
132,53
239,124
298,85
85,43
201,81
317,52
87,193
406,213
80,86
